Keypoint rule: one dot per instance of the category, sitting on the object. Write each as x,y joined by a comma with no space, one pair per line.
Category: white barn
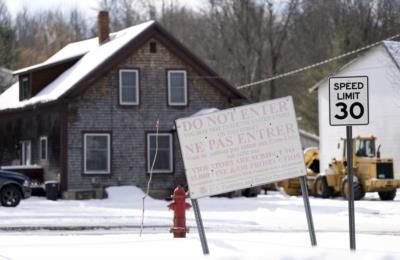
382,66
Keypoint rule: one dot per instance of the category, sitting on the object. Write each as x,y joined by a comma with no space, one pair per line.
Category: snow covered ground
271,226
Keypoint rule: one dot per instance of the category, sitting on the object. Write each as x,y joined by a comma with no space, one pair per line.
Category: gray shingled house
86,117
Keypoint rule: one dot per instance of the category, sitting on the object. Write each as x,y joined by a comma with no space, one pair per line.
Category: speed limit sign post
348,106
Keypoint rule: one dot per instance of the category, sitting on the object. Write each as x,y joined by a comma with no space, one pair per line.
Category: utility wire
315,64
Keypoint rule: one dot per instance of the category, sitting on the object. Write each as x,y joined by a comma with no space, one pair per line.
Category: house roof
392,47
6,78
71,51
94,60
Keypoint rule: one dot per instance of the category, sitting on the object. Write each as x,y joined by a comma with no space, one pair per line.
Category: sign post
310,223
352,225
200,227
240,148
349,105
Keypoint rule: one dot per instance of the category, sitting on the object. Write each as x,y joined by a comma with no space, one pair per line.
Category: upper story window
153,47
177,88
97,153
24,87
128,87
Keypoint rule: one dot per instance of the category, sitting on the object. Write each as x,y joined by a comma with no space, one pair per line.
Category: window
97,154
129,87
153,47
24,88
164,158
43,148
365,148
177,88
26,158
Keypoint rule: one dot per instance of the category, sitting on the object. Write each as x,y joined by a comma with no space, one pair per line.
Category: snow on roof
393,48
95,55
206,111
10,97
6,78
21,167
72,50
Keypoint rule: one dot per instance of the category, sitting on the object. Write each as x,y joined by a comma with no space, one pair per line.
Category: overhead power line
315,64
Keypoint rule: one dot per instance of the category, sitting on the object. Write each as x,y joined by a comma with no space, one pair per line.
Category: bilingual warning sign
348,101
241,147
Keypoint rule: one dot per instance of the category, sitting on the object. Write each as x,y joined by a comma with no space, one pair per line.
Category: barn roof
393,48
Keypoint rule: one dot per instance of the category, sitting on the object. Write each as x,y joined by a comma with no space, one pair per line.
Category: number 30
345,113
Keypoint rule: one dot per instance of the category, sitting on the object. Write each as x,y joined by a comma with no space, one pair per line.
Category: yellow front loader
371,172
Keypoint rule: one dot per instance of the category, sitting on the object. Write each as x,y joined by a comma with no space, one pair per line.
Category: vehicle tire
321,188
387,195
251,192
10,196
358,190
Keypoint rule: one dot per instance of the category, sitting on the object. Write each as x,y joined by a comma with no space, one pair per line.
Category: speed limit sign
348,101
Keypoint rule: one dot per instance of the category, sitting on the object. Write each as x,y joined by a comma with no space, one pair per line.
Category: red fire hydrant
179,206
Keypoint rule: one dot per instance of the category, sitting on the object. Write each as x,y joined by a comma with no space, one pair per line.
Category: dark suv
14,186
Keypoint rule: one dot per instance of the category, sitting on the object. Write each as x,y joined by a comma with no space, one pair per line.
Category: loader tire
321,188
387,195
251,192
358,190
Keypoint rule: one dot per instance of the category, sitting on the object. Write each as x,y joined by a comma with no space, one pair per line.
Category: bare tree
123,13
278,35
41,35
252,36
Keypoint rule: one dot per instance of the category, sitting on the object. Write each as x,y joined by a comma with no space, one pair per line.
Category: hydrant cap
180,191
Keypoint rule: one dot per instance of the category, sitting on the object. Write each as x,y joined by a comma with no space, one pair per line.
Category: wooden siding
41,78
31,125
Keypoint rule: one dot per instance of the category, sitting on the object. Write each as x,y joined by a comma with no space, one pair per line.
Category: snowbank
125,193
268,227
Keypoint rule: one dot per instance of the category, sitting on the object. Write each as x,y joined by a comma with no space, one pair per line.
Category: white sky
89,7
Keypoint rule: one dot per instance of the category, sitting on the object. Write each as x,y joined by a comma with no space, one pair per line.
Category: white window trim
121,102
171,156
184,89
108,171
43,138
24,157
